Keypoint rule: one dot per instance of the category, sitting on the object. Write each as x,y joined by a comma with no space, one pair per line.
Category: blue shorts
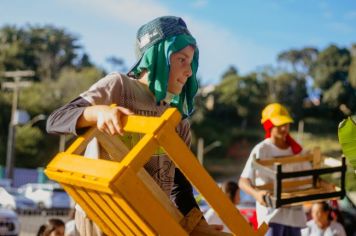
282,230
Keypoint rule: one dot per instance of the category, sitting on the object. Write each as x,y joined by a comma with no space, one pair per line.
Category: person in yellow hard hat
277,142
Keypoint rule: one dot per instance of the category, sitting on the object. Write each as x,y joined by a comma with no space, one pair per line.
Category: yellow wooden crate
123,199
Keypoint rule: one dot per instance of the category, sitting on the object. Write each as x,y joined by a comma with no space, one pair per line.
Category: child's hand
260,197
109,119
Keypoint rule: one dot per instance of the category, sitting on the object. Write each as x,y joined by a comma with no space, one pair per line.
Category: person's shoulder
310,223
263,145
116,77
336,225
115,80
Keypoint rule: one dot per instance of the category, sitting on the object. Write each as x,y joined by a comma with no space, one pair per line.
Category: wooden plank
287,184
113,145
325,187
134,216
191,168
144,124
141,124
86,205
190,221
173,116
142,174
109,199
88,196
80,144
286,160
77,180
105,170
114,218
145,203
160,195
317,159
141,153
264,169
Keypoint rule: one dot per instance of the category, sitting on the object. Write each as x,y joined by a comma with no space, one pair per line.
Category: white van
46,196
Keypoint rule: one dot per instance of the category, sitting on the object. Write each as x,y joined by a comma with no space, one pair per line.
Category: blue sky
246,34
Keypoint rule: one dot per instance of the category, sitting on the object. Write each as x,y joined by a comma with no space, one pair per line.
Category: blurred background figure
322,222
54,227
70,224
231,189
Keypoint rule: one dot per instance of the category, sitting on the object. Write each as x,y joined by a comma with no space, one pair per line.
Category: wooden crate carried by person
307,187
123,199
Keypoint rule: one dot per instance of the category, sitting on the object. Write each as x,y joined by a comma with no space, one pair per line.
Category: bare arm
246,185
106,118
79,114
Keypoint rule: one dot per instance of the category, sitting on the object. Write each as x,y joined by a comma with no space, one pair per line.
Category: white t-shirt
334,229
291,216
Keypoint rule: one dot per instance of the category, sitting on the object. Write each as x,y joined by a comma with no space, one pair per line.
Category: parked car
11,199
9,222
46,196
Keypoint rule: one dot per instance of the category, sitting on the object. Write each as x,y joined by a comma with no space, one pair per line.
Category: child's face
180,69
280,132
319,215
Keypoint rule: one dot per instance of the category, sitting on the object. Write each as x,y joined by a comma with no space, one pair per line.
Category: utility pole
15,87
62,143
201,150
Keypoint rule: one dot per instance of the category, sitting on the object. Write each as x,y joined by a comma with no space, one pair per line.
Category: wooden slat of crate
114,218
87,207
126,219
287,184
109,221
146,205
286,160
134,215
139,202
325,188
177,149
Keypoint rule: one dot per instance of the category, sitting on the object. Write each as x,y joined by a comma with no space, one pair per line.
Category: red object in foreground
251,215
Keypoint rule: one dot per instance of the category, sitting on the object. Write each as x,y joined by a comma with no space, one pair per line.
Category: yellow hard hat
277,114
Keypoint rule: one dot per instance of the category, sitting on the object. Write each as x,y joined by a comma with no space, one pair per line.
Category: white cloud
219,47
340,27
199,3
326,10
133,12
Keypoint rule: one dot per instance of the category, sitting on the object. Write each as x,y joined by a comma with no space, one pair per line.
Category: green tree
29,141
13,49
46,96
300,61
330,73
245,94
352,71
287,89
44,49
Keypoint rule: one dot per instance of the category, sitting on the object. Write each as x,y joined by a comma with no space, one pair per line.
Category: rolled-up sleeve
64,119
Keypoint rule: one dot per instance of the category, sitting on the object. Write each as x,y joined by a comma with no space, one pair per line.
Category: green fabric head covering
156,62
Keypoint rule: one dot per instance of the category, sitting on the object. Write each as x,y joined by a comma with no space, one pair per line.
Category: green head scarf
156,62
